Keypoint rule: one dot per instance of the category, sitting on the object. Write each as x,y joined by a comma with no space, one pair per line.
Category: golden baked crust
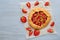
36,9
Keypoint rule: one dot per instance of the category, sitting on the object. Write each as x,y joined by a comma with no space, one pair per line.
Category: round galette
39,18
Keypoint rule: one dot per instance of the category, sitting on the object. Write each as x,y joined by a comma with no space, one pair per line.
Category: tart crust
37,9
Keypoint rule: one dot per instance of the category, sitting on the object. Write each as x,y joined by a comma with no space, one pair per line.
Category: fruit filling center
39,18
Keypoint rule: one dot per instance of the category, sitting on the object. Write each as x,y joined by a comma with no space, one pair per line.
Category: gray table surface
12,29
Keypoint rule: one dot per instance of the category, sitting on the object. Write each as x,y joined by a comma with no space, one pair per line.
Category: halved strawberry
24,10
23,19
37,22
30,33
36,32
28,4
47,4
35,14
52,24
28,28
50,30
36,3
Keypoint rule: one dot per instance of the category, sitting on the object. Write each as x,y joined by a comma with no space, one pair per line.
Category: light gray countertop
12,29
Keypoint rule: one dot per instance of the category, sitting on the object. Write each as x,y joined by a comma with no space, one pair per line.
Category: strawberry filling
39,18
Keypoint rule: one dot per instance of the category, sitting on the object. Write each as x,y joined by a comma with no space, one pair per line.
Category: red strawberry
30,33
36,3
29,29
23,19
24,10
52,24
50,30
28,4
47,4
36,32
